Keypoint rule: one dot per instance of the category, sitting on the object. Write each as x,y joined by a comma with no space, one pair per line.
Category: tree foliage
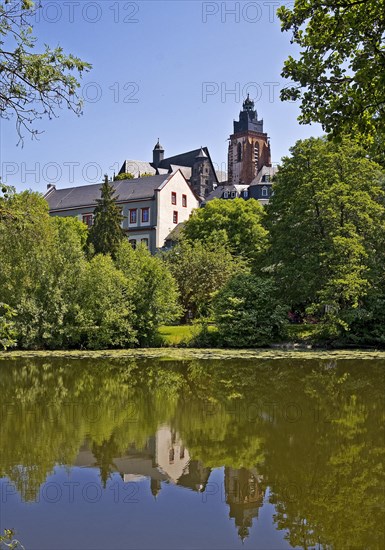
200,269
123,176
340,74
106,232
326,222
248,313
239,221
33,84
154,291
53,297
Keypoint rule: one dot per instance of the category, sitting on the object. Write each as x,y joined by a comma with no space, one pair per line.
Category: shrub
248,313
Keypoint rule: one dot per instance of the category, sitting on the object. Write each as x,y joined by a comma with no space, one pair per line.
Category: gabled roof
188,159
184,159
137,167
87,195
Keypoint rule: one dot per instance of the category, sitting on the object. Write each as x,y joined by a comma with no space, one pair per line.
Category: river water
195,454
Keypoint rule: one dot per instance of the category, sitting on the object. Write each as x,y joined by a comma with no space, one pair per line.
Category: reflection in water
309,434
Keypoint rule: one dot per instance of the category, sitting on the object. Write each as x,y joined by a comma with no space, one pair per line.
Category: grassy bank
178,354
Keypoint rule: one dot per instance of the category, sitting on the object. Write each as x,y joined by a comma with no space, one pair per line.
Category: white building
152,206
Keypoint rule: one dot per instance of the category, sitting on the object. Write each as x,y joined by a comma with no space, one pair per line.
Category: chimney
51,187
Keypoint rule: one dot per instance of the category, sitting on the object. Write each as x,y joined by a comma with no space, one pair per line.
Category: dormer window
233,193
225,195
245,194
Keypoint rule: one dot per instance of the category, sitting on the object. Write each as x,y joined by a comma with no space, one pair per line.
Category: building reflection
244,496
164,458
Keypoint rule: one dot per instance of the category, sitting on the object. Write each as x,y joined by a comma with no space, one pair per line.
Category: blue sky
177,70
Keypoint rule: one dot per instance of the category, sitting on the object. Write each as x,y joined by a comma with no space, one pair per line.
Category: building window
175,216
239,152
133,215
133,243
225,195
145,215
88,219
145,242
245,194
184,200
233,194
265,192
207,170
173,198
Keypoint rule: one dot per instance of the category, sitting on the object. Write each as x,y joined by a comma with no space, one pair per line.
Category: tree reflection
311,431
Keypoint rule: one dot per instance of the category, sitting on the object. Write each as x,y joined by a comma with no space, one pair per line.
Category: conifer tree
106,233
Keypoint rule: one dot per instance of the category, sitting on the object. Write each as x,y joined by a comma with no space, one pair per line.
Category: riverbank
180,354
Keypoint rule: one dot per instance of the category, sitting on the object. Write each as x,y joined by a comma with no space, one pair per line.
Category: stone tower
249,146
201,182
157,154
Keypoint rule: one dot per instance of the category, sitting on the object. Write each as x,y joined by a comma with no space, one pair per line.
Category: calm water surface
150,454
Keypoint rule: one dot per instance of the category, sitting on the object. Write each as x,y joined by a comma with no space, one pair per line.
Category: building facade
152,206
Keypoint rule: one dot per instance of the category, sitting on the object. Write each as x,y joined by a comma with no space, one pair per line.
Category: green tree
42,261
239,220
154,291
106,316
7,327
123,176
200,269
33,84
326,222
106,233
248,313
340,74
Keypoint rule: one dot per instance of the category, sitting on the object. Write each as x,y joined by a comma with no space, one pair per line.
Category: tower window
256,156
239,152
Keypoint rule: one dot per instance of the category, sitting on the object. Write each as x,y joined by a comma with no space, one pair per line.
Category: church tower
249,146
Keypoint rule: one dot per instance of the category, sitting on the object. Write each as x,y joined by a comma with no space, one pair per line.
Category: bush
248,313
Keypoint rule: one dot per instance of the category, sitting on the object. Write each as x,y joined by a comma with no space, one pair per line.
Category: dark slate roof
86,195
184,159
217,193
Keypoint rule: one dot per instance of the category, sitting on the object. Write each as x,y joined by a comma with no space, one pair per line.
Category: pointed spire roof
201,154
248,104
158,146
